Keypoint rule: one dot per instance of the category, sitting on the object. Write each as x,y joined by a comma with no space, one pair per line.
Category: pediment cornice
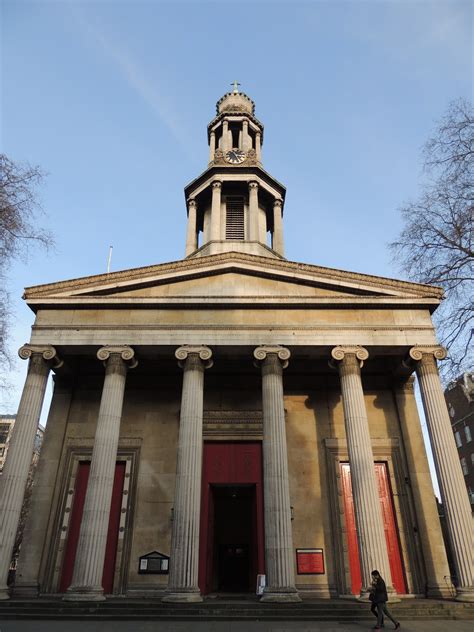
347,282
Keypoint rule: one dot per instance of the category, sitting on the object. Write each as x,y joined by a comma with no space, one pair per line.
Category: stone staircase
226,610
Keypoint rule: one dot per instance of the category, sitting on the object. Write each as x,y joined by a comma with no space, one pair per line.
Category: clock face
235,156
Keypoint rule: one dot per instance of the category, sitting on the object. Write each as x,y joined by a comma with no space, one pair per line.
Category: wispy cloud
140,82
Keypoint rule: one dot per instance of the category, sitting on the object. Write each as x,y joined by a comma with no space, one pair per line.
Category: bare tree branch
436,245
20,232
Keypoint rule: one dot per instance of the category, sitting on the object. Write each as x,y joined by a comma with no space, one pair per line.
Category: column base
465,594
4,593
183,597
280,596
84,593
439,592
26,590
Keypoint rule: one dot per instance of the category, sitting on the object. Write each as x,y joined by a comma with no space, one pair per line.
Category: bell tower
235,205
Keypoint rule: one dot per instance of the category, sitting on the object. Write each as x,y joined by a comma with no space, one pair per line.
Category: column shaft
184,558
225,136
427,519
258,146
253,211
368,514
448,467
212,146
245,135
278,227
20,452
86,582
279,559
191,235
216,211
27,577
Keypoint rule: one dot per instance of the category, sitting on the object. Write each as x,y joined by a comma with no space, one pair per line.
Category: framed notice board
310,561
154,563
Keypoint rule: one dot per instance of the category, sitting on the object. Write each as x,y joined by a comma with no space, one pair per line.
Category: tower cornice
243,173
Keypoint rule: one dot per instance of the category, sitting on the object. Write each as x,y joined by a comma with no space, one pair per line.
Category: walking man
379,599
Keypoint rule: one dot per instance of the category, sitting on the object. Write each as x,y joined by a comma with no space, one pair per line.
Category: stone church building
234,417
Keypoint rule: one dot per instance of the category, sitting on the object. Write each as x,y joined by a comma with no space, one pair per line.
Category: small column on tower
225,136
277,241
212,146
258,146
245,135
216,211
253,210
191,236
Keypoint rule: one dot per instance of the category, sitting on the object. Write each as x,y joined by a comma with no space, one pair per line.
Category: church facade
234,417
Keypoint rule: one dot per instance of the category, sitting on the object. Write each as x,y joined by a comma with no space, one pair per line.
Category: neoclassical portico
125,451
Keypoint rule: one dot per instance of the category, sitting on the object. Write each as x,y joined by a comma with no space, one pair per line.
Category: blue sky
112,99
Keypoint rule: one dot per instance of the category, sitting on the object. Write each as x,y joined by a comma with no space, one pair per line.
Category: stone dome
235,102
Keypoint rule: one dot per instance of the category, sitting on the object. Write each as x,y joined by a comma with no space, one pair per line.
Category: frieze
211,327
241,423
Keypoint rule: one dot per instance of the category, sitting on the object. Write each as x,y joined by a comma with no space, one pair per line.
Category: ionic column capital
344,354
429,352
200,354
125,353
281,353
47,352
217,184
277,203
192,203
253,185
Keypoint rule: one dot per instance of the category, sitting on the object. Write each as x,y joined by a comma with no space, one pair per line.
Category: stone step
335,610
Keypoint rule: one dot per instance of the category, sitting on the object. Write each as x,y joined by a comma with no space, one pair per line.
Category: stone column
216,211
279,561
225,136
368,514
277,242
191,235
86,582
36,533
20,451
448,466
427,520
184,558
253,210
245,135
258,146
212,146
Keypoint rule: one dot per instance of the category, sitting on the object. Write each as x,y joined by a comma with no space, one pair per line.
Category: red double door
389,523
82,478
231,551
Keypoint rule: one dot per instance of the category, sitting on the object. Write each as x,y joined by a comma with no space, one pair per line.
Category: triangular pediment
234,277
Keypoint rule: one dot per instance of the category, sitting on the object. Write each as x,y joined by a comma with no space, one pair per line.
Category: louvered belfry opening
235,228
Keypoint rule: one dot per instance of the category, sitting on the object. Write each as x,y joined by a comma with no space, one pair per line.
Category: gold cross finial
236,89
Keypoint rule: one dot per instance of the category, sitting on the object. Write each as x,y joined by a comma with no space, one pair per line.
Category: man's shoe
397,625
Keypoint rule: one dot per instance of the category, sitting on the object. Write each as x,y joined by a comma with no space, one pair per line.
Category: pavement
228,626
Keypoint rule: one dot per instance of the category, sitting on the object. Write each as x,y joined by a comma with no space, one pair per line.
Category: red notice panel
310,561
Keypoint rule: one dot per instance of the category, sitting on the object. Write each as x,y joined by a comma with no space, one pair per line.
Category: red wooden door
237,464
75,524
351,529
390,527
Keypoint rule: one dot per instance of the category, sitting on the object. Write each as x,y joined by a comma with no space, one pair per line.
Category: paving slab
228,626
